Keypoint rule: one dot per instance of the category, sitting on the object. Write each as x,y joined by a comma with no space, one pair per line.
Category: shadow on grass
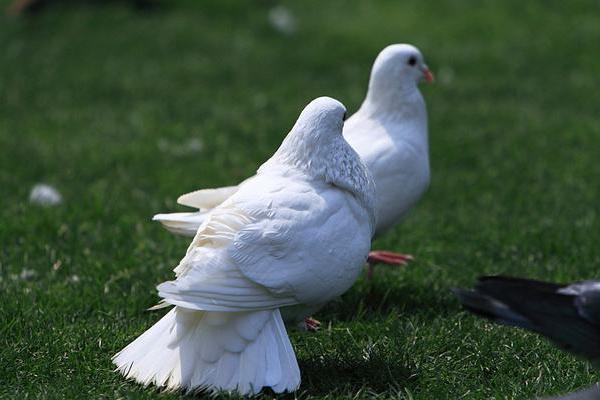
351,374
373,301
343,377
342,362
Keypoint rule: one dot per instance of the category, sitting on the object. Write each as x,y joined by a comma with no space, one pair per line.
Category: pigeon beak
428,75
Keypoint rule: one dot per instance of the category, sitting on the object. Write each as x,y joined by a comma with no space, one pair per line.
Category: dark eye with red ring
412,61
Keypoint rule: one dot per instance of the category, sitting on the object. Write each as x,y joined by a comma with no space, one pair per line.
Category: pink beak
428,75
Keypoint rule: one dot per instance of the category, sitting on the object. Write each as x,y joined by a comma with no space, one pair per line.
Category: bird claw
310,324
386,257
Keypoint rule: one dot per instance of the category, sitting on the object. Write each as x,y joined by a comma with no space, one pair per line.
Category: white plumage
296,234
389,132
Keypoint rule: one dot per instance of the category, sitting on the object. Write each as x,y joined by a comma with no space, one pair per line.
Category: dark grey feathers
569,315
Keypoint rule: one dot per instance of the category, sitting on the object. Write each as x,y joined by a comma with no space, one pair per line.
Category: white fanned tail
214,351
184,223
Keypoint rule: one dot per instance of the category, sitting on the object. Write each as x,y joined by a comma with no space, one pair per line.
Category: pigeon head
316,148
322,119
318,127
400,64
397,71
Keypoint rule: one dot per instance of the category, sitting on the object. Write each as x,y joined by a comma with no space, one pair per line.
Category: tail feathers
197,350
141,359
514,301
487,307
207,198
184,224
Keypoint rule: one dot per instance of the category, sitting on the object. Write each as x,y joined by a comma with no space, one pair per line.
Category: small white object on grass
296,234
191,146
282,19
44,195
27,274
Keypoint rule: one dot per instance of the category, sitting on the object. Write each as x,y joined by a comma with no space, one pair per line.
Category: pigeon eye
412,61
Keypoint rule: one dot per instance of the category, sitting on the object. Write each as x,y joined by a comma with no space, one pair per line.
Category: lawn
123,110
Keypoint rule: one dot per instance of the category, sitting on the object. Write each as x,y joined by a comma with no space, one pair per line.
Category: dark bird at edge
567,314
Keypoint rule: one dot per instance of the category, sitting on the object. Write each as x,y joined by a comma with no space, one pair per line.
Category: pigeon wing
313,242
209,279
269,242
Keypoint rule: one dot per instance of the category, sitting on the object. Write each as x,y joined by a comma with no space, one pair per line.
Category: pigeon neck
332,161
405,100
404,112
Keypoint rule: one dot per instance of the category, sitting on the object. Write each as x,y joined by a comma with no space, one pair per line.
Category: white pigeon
389,132
295,235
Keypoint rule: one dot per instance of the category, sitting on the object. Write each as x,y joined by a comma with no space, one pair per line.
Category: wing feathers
207,198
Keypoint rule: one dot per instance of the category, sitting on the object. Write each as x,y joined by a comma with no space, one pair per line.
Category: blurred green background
122,109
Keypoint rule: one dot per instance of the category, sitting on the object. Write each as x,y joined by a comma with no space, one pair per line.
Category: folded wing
256,254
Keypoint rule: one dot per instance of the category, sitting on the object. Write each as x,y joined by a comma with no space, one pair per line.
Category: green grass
100,101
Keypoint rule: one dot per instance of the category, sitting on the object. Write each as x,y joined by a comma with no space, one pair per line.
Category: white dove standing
389,132
296,234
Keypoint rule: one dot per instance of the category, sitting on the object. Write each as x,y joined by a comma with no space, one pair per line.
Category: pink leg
389,258
386,257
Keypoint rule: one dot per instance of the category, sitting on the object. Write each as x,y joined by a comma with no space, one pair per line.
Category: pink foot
386,257
311,325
